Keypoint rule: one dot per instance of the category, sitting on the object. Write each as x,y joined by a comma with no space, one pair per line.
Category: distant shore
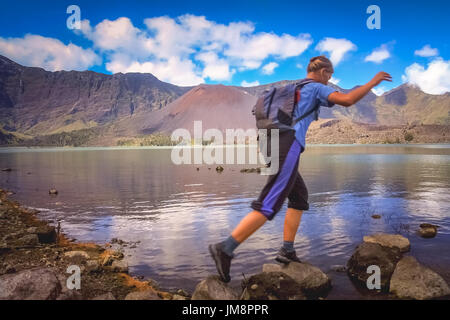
322,132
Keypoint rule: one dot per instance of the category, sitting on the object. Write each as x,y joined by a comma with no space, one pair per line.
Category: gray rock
119,266
312,280
143,295
92,266
66,293
78,254
106,296
272,286
32,284
411,280
10,269
182,293
32,230
389,240
212,288
28,240
70,295
368,254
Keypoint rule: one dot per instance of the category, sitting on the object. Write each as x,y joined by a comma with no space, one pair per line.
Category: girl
288,182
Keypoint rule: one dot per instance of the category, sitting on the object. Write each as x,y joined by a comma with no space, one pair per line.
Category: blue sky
234,42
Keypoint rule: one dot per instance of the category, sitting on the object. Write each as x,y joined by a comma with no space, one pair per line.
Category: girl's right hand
380,76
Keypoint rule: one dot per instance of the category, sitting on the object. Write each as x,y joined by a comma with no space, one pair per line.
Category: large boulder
212,288
272,286
411,280
369,254
313,282
33,284
389,240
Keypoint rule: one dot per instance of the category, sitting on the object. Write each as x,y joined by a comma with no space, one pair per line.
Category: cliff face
408,104
35,101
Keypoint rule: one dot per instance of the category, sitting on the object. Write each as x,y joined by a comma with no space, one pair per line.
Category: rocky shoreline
37,262
35,256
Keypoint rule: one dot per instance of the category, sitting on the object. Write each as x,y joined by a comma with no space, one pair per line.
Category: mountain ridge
36,102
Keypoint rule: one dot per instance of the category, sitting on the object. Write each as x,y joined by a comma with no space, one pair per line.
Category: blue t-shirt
311,95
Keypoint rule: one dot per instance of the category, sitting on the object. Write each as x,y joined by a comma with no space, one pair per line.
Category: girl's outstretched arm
350,98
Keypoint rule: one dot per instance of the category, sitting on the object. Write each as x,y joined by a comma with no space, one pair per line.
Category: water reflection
175,211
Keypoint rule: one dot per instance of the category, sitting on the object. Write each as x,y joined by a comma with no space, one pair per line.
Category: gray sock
229,245
288,245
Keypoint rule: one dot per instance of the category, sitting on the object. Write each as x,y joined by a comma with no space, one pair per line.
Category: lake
175,211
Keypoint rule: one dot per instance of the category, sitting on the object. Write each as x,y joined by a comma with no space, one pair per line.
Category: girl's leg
291,223
251,222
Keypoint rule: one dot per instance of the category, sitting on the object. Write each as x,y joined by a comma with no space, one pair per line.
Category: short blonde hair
319,62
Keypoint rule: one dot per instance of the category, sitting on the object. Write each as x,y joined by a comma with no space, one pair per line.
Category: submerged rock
272,286
389,240
411,280
369,254
33,284
212,288
427,230
313,282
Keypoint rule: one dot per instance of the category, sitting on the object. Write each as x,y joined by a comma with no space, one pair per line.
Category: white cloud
435,79
215,68
299,65
249,84
379,90
215,50
269,68
378,55
334,81
250,50
48,53
336,47
427,51
174,70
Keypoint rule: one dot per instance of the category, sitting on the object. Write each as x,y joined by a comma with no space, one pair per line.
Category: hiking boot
222,260
285,256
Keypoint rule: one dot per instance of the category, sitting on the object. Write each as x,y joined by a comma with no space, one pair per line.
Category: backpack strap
299,86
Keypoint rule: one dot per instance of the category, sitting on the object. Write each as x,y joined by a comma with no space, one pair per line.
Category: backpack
275,108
